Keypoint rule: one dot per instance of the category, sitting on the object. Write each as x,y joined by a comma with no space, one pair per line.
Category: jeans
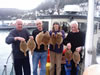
74,69
42,56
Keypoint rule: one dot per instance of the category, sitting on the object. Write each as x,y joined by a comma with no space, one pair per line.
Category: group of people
75,38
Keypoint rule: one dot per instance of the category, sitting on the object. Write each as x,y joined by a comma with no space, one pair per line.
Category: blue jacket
57,50
16,44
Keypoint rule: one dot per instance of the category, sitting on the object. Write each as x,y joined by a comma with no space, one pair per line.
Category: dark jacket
76,39
16,44
34,33
57,50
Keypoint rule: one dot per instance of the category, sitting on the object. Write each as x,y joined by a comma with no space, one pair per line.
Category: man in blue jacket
15,37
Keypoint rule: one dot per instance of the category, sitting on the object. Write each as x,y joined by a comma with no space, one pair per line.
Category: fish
23,47
31,45
46,39
53,40
76,58
68,55
39,38
59,39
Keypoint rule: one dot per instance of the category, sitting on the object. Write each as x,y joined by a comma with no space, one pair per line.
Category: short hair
38,21
74,22
19,20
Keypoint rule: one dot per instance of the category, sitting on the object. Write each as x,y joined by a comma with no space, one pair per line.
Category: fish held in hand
59,39
76,58
46,39
23,47
53,39
31,45
68,55
39,38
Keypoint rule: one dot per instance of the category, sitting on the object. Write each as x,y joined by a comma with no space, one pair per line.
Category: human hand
44,31
19,38
31,37
78,49
60,33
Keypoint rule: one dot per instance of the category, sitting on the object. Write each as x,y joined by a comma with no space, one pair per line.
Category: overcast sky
20,4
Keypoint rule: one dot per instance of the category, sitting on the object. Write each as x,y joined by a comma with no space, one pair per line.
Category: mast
89,34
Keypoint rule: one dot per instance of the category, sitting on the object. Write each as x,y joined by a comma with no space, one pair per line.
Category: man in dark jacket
15,37
77,39
39,54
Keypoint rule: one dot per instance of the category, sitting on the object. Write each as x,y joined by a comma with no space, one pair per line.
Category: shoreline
12,27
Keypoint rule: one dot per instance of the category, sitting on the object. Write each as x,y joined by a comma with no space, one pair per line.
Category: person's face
69,46
19,25
39,25
74,27
56,27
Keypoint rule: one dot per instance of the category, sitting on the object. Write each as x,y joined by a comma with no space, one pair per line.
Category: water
5,51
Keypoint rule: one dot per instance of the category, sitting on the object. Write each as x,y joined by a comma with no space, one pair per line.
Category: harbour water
5,51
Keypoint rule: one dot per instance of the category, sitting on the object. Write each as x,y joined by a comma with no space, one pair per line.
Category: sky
20,4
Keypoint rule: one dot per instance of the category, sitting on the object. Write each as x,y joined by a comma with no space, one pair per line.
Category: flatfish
39,39
31,45
53,39
23,47
68,55
76,58
46,39
59,39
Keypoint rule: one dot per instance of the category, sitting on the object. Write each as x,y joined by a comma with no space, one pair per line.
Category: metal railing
5,67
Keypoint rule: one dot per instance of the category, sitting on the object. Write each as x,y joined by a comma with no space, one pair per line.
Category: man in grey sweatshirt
15,37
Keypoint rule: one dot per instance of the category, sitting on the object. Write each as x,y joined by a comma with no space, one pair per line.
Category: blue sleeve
10,38
50,33
63,34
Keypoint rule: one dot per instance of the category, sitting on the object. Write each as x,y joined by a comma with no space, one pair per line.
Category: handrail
12,70
5,66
